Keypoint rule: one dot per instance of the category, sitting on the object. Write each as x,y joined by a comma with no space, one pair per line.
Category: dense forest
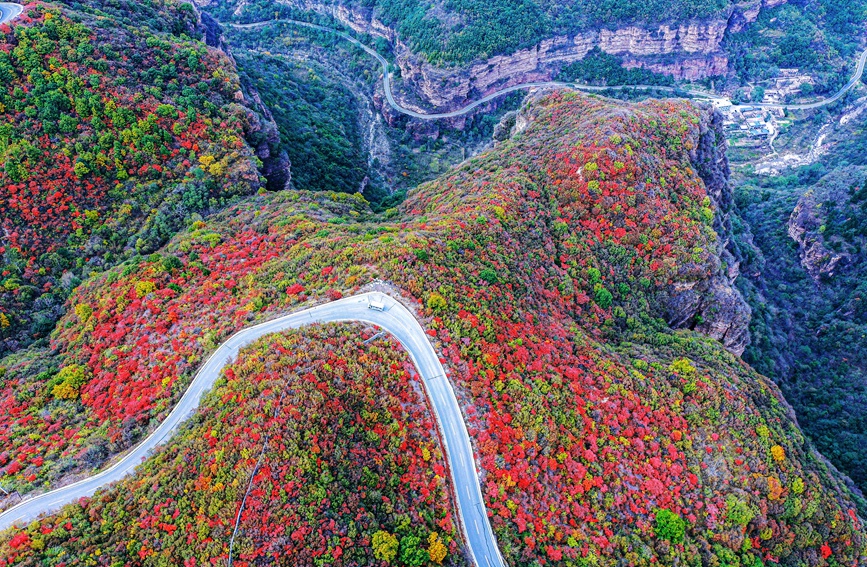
809,317
459,31
315,444
325,97
317,119
113,136
572,278
600,68
503,26
544,271
823,38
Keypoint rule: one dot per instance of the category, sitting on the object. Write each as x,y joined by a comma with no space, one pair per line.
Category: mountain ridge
544,268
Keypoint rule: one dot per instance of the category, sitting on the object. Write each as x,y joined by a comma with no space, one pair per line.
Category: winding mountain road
9,11
393,318
859,72
389,95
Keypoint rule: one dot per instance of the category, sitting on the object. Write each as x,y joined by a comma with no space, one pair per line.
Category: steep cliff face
804,228
701,295
744,13
710,303
686,50
828,223
260,130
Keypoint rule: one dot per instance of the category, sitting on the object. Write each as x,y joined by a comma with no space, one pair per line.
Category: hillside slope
446,54
328,438
803,240
549,271
112,134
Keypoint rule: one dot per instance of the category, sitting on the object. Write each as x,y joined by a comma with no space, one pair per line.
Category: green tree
489,276
384,546
669,526
603,297
738,512
411,551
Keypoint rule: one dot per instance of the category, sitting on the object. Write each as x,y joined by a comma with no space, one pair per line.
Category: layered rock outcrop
803,227
686,50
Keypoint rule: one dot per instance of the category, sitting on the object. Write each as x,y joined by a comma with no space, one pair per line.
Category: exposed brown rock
688,50
804,227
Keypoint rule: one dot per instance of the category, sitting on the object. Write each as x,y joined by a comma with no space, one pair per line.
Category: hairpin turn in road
374,308
9,11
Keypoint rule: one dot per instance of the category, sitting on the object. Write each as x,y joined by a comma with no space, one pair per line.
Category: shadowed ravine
676,91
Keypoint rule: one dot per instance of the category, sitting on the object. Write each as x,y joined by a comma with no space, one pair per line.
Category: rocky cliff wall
687,50
260,130
803,227
823,224
712,305
701,295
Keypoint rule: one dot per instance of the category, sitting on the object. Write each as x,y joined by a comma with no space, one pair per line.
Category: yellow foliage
143,288
798,485
384,546
64,391
84,311
778,453
436,549
4,321
682,367
436,301
70,378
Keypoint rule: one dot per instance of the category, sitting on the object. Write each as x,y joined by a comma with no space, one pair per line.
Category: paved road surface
386,81
859,71
9,11
386,77
395,319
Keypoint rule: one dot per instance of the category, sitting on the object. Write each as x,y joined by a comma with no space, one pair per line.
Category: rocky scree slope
544,270
115,128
